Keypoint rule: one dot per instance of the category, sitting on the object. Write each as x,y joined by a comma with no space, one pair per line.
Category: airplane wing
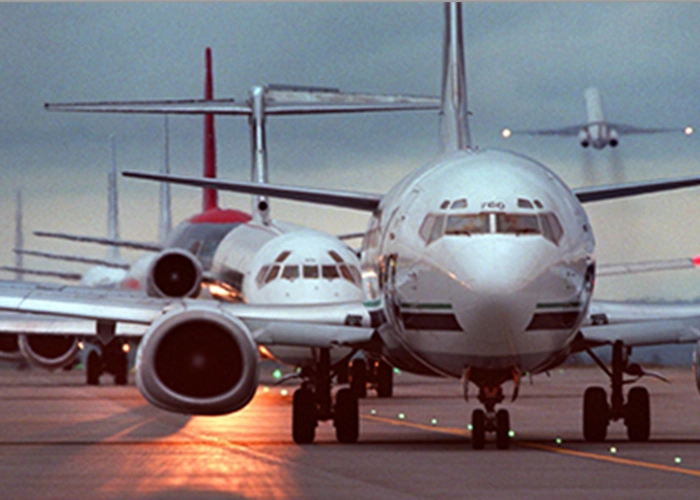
370,202
640,323
134,245
647,266
19,323
560,132
326,325
631,129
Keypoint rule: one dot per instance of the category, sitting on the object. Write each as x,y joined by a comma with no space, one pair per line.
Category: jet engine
614,138
197,361
9,347
49,351
584,139
174,273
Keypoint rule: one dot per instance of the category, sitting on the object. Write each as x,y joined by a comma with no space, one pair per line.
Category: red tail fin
210,200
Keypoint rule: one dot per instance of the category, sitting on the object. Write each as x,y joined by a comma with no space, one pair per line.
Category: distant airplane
597,132
479,266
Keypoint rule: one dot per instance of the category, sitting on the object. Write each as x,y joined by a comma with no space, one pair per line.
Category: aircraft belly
304,356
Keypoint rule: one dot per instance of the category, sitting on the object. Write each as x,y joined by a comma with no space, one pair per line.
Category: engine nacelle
9,347
696,365
197,361
614,138
584,138
49,351
174,273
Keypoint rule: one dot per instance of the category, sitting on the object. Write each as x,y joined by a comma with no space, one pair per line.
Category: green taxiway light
277,374
402,416
433,421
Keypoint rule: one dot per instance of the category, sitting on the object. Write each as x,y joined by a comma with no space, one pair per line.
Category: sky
527,67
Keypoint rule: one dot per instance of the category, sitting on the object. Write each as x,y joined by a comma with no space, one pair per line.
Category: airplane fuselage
482,260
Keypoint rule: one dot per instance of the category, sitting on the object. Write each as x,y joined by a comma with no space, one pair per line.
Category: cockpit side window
260,278
330,272
436,230
551,228
274,272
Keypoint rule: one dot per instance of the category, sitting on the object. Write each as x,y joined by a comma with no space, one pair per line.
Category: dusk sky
528,65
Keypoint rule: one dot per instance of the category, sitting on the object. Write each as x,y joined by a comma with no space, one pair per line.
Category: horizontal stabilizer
647,266
278,101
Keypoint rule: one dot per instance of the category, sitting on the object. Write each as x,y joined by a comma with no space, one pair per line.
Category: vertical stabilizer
165,222
261,206
19,237
210,200
454,125
112,204
594,105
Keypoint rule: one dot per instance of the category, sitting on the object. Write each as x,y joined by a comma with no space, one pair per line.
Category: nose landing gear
313,403
490,420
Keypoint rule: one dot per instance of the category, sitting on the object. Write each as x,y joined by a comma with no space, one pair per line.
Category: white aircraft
477,266
597,131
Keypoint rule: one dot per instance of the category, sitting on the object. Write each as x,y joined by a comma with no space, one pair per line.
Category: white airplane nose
499,292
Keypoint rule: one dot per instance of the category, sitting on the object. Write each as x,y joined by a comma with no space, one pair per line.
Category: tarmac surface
60,439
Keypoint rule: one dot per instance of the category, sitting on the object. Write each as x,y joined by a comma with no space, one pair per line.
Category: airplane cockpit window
290,272
274,272
523,203
260,278
461,203
444,205
282,256
467,224
517,224
334,255
551,228
330,272
311,272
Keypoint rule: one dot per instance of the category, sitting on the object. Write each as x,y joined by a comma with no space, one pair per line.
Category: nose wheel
312,403
490,420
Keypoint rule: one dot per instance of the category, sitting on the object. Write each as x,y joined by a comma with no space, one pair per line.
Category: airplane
597,132
478,266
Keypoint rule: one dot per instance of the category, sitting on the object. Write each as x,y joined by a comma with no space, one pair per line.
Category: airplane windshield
546,224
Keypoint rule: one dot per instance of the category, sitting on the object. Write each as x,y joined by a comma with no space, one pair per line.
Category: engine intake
198,361
49,351
174,273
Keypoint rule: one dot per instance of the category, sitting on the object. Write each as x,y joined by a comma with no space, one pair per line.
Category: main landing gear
313,403
379,375
597,413
111,358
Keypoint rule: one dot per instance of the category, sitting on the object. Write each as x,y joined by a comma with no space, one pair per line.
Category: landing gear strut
313,403
597,413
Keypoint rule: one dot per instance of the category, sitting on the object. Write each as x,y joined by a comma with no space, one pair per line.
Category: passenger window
311,272
517,224
290,272
467,224
330,272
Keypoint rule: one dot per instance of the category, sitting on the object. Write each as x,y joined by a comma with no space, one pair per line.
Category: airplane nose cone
499,292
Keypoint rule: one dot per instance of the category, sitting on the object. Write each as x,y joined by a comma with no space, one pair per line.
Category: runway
60,439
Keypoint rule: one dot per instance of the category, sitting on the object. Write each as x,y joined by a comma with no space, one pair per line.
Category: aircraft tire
93,368
502,430
385,379
303,417
478,429
358,377
595,415
346,418
637,415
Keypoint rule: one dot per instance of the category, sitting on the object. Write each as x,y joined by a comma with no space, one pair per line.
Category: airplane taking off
597,132
478,266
